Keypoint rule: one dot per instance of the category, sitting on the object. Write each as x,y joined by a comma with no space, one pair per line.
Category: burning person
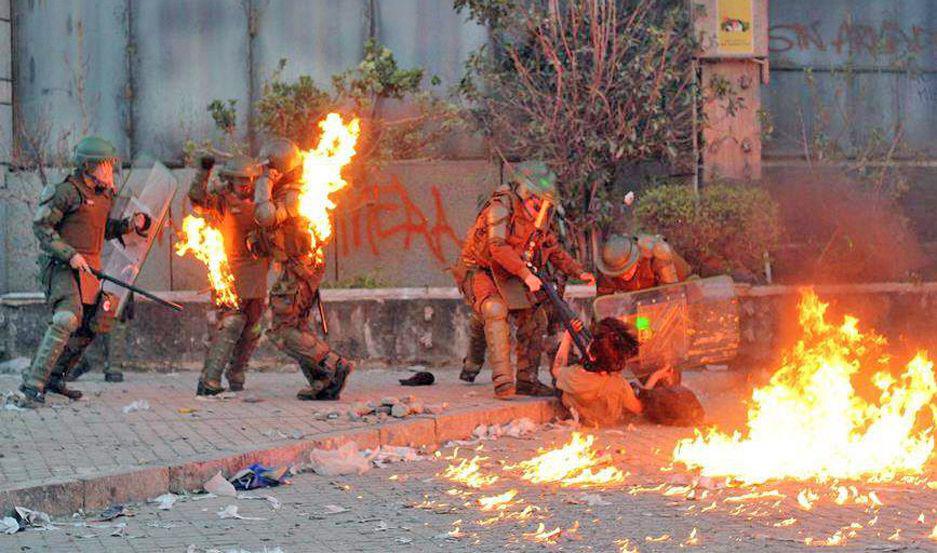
493,275
229,204
632,263
72,223
286,236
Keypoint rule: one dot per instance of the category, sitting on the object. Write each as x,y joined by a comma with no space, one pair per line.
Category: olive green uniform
657,264
72,218
237,329
494,250
294,293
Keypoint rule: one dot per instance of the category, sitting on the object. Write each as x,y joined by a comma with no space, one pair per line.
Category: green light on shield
642,323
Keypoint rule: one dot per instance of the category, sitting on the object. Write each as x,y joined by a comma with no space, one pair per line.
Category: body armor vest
84,227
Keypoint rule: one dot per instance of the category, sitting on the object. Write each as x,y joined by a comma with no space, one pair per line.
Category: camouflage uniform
657,264
294,293
237,330
73,218
493,253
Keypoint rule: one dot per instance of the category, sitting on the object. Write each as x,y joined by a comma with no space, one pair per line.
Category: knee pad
65,321
233,322
494,308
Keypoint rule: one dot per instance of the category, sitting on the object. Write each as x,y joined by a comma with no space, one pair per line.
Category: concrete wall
143,73
859,65
428,326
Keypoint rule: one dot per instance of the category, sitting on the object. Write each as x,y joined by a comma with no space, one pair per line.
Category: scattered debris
274,502
387,454
9,525
513,429
34,519
259,476
165,501
186,410
113,512
231,511
217,485
334,462
14,400
422,378
139,405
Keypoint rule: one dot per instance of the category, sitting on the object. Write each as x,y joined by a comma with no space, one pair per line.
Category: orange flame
467,472
206,243
322,175
809,422
572,464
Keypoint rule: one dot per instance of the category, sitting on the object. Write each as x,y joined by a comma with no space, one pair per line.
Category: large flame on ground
813,421
206,243
575,463
322,175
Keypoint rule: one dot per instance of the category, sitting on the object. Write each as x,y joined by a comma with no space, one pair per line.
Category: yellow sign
734,18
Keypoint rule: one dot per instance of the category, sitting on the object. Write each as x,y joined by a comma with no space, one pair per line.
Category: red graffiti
886,38
371,207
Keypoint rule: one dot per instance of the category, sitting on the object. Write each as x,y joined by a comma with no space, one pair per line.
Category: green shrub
728,230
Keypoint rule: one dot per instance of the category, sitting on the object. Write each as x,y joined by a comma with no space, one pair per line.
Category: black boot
207,390
78,370
469,371
114,376
535,389
34,397
341,369
57,385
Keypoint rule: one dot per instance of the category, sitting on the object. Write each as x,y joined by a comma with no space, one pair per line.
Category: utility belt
102,313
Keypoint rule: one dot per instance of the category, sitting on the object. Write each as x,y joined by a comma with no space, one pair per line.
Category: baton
325,323
132,288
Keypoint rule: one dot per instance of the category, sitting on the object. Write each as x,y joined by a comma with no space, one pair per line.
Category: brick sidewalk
87,454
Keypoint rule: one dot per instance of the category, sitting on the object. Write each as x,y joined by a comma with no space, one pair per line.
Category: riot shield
147,191
683,325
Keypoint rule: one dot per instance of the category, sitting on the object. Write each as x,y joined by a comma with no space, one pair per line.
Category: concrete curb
63,497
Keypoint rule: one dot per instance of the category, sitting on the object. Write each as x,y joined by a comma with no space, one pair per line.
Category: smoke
838,231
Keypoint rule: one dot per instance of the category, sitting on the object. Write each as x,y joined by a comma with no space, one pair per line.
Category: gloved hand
141,223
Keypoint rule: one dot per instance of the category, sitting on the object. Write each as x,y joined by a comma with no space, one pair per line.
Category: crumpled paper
335,462
231,511
165,501
35,519
139,405
219,486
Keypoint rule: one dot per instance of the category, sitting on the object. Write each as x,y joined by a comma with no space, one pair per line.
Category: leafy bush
291,109
586,86
729,230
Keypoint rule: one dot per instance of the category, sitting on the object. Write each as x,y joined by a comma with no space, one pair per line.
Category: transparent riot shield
146,190
683,325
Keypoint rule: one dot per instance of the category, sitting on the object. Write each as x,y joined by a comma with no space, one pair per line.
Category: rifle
132,288
582,338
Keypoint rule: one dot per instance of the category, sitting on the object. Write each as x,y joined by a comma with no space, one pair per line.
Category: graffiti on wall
852,38
381,216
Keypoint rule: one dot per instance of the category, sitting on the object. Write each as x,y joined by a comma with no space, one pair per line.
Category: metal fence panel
186,54
71,71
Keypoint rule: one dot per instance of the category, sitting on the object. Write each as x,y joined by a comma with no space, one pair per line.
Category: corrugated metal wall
142,72
853,66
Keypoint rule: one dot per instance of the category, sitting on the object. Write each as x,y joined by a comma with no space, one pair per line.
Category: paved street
417,506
